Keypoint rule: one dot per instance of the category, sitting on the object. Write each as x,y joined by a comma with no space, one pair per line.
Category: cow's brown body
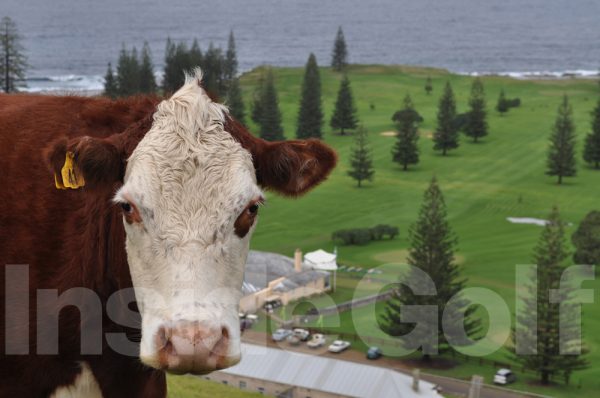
75,238
68,239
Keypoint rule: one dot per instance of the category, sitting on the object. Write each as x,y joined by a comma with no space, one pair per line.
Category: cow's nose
192,347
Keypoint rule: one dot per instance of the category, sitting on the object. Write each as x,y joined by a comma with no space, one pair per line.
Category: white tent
322,261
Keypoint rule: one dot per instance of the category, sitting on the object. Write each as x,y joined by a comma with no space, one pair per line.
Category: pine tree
177,63
502,105
147,78
310,116
538,329
476,126
111,89
561,156
406,150
591,151
256,110
13,62
235,101
339,58
586,240
361,162
428,86
270,116
445,136
213,70
195,55
344,115
128,73
230,66
432,251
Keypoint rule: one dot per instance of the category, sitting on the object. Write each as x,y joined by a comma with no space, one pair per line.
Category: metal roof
326,374
264,267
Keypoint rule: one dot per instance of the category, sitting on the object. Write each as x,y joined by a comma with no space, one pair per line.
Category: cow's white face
190,201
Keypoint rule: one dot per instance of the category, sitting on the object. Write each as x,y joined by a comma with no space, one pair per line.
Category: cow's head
190,198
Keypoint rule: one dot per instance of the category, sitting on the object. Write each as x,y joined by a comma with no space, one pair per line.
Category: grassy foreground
484,183
195,387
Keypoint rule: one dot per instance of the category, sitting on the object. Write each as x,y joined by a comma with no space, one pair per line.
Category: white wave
65,83
583,73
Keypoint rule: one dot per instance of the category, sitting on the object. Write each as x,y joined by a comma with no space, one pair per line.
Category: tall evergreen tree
177,63
561,156
445,136
128,72
432,251
361,162
586,240
344,115
502,104
13,62
339,57
230,66
235,101
195,55
476,126
538,329
111,88
256,111
147,78
591,151
270,115
310,116
213,70
406,150
428,86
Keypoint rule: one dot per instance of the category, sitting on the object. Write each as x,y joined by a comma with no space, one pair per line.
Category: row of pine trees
561,158
547,335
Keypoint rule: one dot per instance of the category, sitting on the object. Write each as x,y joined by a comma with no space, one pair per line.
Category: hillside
484,183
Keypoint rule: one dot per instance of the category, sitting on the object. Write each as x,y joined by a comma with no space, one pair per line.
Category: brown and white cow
158,195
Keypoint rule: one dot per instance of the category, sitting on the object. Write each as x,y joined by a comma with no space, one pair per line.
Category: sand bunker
389,134
527,220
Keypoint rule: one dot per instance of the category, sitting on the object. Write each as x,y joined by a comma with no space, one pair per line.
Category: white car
316,341
504,376
281,334
302,334
338,346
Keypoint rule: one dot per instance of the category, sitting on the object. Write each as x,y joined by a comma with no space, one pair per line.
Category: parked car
293,340
302,334
504,376
338,346
281,334
374,353
316,341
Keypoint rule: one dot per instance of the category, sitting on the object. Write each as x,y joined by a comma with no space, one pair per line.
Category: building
272,277
289,374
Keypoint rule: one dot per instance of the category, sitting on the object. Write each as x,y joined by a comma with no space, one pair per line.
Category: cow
124,230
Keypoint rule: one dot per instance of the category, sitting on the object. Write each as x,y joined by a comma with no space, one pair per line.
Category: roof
264,267
320,259
326,374
299,279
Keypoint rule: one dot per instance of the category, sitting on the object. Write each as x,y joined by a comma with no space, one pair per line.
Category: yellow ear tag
71,175
58,183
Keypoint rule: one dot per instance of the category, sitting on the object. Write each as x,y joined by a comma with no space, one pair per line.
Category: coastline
92,85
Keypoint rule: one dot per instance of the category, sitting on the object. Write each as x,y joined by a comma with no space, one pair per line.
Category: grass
484,183
195,387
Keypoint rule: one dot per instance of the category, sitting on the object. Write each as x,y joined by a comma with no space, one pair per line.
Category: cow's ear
293,167
84,161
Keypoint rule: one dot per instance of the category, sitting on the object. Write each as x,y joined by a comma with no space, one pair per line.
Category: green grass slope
484,183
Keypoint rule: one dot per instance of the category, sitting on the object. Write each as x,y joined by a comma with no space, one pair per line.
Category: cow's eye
253,209
126,207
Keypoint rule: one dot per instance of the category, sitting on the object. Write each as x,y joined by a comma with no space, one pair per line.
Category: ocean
70,42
